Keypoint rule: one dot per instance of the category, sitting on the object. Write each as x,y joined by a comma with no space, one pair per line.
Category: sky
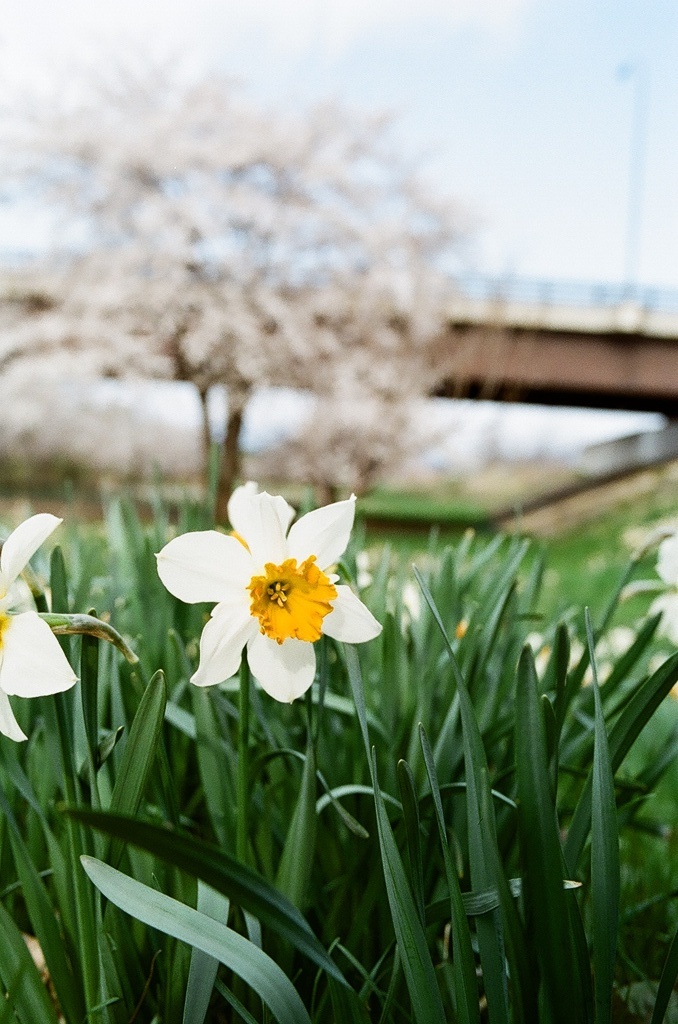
515,107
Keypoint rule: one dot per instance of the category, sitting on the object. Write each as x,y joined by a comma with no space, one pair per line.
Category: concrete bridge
566,344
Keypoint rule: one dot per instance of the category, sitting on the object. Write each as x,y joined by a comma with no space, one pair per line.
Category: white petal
325,533
8,723
667,604
33,663
205,566
22,544
221,644
240,504
262,522
667,559
350,621
284,670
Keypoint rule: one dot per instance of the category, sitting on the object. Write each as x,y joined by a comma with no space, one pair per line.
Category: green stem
84,907
89,689
241,845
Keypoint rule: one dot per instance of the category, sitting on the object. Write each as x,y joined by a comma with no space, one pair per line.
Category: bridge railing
534,291
530,290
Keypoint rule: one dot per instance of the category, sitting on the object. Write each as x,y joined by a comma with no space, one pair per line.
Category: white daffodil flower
667,603
274,592
32,663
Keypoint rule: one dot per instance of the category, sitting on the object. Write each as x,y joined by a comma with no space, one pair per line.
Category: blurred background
421,249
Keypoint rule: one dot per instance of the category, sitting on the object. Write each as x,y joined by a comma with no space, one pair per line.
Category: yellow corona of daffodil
32,663
274,589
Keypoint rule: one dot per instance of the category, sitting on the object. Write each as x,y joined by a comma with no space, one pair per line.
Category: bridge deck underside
620,371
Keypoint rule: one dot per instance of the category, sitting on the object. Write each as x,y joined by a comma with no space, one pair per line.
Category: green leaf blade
139,754
623,734
219,870
188,925
416,960
466,988
605,880
294,873
202,972
541,853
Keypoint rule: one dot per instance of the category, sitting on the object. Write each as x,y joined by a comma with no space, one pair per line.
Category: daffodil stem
89,686
84,908
83,896
323,674
241,844
66,745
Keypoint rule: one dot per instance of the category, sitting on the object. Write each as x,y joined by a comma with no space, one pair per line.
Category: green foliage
452,827
418,508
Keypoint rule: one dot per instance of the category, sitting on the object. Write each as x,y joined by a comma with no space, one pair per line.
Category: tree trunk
230,459
229,462
205,436
325,492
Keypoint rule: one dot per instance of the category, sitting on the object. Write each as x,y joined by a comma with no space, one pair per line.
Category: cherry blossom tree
229,245
378,348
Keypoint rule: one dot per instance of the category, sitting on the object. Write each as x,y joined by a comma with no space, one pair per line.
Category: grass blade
346,1005
296,862
217,766
666,983
410,936
44,921
605,882
219,870
20,976
466,988
138,754
217,940
623,734
203,970
412,827
77,839
416,959
485,861
557,673
541,852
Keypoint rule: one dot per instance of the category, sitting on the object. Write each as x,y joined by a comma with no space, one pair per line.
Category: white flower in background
273,590
535,640
541,651
32,663
667,560
576,651
617,642
362,564
411,597
667,603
